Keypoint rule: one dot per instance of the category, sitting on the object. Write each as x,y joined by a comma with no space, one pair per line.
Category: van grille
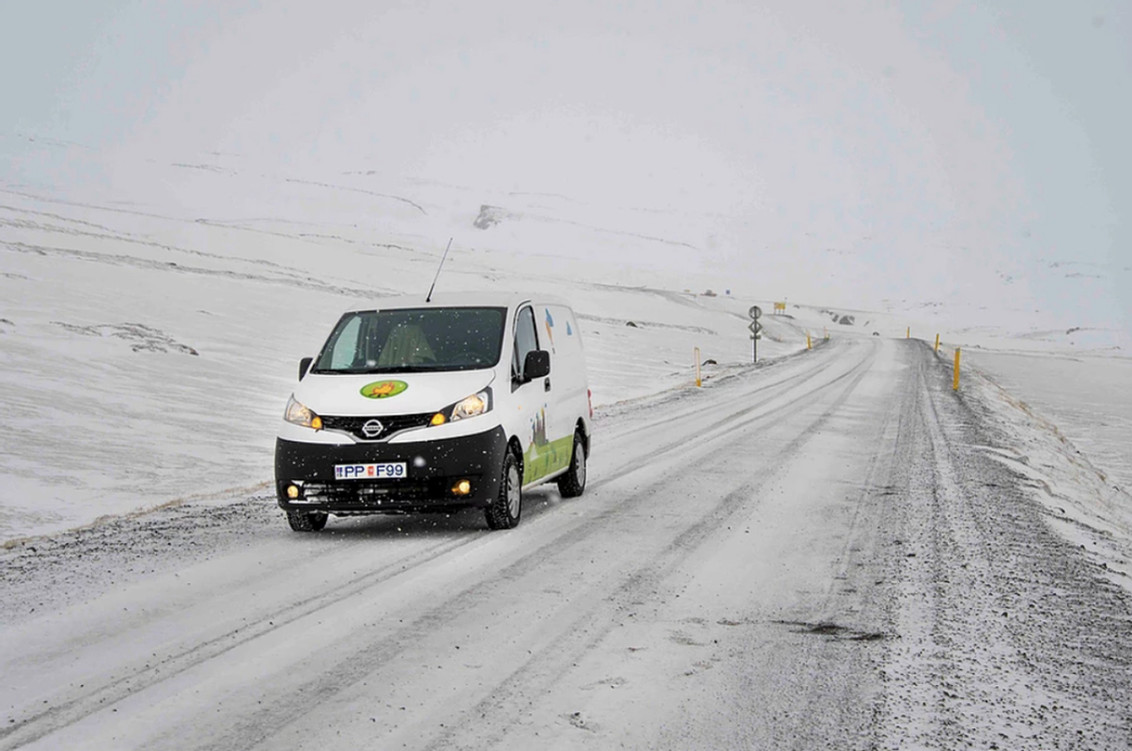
370,497
373,493
391,424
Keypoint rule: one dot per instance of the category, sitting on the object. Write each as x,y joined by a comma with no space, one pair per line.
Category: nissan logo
372,428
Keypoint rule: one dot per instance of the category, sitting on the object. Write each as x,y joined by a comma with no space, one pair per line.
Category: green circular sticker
383,389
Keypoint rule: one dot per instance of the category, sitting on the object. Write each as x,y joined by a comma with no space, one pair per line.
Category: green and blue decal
542,456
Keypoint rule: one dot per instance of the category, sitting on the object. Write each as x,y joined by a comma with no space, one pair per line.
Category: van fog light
462,488
293,492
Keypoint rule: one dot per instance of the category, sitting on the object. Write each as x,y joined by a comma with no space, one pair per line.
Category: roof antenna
442,259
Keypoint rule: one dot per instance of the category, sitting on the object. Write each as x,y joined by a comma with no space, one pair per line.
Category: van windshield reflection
414,340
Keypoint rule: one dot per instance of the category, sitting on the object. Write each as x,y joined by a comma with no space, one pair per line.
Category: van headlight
298,413
470,406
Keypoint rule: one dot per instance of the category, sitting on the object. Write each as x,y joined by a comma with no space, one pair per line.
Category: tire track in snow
1008,636
577,638
68,711
728,414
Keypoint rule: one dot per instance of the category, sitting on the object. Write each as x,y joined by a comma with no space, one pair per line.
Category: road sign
755,313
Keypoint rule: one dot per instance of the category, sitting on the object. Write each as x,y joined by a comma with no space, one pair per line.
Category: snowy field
1088,398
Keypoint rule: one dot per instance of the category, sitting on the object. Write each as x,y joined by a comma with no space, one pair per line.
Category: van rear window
412,340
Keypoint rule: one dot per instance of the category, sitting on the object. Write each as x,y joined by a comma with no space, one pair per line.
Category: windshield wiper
379,371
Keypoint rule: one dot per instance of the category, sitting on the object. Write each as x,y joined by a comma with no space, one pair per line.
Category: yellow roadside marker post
808,345
937,342
908,333
955,380
699,381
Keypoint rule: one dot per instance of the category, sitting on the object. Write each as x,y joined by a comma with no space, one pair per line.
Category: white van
467,400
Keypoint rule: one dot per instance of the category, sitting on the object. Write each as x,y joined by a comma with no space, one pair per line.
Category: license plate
380,471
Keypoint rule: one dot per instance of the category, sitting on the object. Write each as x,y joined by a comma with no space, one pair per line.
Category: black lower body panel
433,468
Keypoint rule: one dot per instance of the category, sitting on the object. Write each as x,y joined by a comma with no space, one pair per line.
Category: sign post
755,313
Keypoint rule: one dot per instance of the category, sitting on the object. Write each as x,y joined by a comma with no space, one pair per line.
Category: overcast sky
911,128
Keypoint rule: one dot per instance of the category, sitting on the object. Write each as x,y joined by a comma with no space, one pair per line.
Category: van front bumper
433,468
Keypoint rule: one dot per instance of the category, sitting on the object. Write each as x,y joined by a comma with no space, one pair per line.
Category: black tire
306,521
573,483
507,506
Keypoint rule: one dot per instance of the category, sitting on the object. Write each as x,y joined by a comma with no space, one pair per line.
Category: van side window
526,340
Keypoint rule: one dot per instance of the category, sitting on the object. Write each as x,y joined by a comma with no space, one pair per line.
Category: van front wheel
306,521
507,506
571,484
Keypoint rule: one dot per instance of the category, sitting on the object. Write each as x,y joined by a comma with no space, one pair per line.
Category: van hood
389,394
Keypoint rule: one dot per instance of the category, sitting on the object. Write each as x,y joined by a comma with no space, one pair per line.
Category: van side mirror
304,366
537,365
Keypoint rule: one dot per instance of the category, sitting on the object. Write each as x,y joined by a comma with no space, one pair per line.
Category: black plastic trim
433,467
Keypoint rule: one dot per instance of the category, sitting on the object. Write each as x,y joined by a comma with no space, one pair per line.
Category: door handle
546,385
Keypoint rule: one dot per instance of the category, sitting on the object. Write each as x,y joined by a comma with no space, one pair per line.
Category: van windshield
411,340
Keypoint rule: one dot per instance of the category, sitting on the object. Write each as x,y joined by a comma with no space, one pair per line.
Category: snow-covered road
819,552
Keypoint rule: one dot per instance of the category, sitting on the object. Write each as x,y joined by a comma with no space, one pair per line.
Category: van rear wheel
507,506
306,521
573,483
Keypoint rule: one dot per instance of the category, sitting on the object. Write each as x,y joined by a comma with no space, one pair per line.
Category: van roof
463,300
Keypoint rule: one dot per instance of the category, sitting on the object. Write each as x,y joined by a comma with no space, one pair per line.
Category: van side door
559,334
531,397
569,401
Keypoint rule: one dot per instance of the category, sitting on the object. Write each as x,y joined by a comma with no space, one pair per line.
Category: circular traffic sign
755,312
